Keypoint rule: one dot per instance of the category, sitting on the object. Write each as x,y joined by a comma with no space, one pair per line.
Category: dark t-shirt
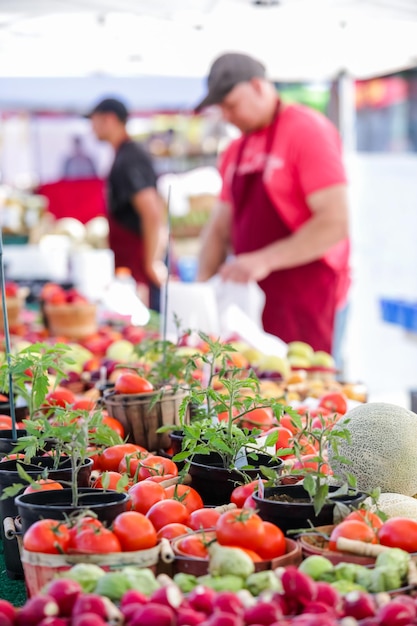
132,171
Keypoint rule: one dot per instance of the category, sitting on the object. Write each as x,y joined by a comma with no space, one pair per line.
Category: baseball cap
226,72
111,105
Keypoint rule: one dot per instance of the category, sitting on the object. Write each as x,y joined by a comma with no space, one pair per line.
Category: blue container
187,268
392,310
409,316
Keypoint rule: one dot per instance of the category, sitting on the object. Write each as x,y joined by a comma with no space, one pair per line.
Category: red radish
128,610
186,616
314,619
396,613
90,603
220,618
170,595
228,602
36,609
298,586
55,621
201,598
282,603
155,614
133,597
65,592
262,613
319,607
369,621
7,609
4,620
358,604
329,595
88,619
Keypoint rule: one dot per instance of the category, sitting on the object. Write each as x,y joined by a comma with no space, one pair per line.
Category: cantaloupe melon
383,448
395,505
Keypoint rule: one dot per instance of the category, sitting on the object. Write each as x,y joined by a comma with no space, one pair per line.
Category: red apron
300,302
128,249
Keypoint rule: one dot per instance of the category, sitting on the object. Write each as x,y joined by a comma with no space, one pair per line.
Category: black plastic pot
7,442
10,476
58,504
294,515
215,483
21,412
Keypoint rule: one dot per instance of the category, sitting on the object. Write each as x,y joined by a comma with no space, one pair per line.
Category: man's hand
157,273
245,267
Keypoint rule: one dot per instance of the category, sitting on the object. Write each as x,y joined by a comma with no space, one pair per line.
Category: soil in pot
10,476
58,504
215,483
290,508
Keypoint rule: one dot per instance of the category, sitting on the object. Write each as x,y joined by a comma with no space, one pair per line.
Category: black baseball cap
111,105
227,71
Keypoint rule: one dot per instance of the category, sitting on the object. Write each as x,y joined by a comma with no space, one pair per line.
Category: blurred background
354,60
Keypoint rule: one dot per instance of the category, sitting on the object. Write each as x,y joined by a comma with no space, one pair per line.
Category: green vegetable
263,581
346,571
315,566
186,582
345,586
228,582
363,576
113,585
394,558
85,574
141,579
384,579
224,560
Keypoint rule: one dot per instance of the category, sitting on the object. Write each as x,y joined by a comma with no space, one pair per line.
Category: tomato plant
156,465
114,424
93,540
47,536
203,518
145,494
166,512
134,531
187,495
352,529
241,527
84,404
335,402
399,532
110,480
261,418
196,544
130,382
131,463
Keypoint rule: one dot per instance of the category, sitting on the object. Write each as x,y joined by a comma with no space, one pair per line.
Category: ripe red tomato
60,397
352,529
130,382
242,492
111,457
261,419
242,528
47,536
93,540
114,424
154,465
171,531
363,515
196,544
166,512
274,544
203,518
399,532
84,404
145,494
82,524
134,531
109,480
5,422
306,462
43,484
187,495
131,464
335,402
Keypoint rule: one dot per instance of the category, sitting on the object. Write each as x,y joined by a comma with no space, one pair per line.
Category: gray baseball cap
227,71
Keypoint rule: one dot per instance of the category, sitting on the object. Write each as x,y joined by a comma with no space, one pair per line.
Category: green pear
121,350
323,359
271,363
296,360
300,348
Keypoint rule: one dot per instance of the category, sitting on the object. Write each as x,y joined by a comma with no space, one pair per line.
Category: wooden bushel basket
141,415
74,321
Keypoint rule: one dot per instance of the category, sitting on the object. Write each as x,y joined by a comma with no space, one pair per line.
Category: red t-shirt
306,155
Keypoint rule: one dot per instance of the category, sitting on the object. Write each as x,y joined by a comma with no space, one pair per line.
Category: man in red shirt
283,208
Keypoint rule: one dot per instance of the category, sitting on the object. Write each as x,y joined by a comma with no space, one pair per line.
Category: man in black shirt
135,210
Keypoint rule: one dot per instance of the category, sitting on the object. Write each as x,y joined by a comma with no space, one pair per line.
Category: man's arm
328,225
215,242
148,205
